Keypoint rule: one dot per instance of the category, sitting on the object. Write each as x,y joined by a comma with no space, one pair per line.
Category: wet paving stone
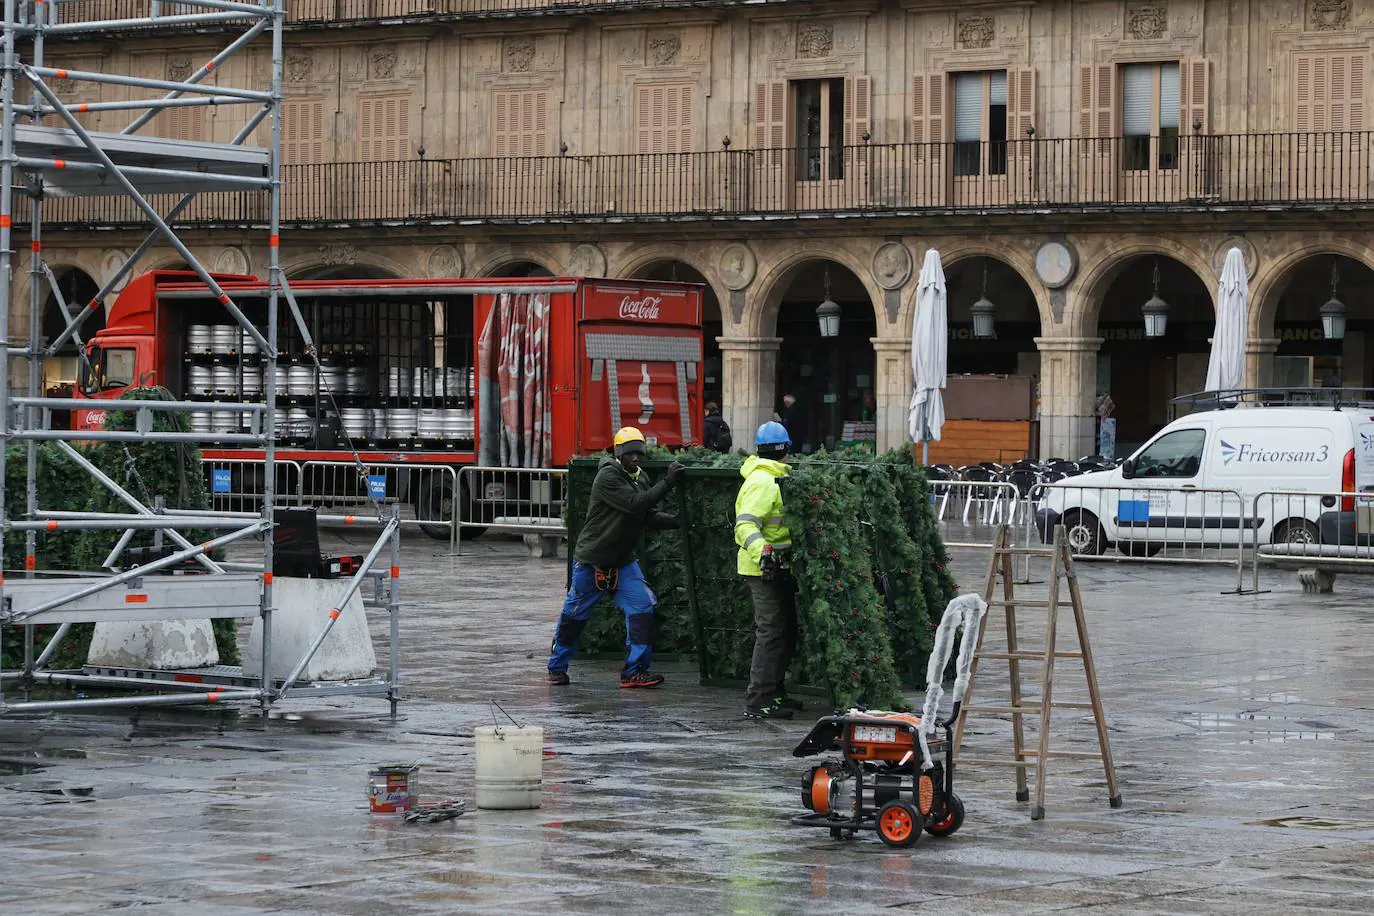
1242,726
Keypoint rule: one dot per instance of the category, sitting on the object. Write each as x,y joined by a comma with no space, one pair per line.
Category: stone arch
317,268
1273,277
1092,285
953,255
644,258
772,283
500,264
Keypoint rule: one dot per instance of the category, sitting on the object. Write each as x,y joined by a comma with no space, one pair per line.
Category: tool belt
607,578
774,568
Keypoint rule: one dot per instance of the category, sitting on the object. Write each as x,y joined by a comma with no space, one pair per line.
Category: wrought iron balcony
1235,172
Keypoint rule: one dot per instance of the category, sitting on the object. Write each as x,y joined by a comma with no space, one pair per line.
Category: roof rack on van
1335,398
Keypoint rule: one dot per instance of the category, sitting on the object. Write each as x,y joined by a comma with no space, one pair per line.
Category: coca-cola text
645,309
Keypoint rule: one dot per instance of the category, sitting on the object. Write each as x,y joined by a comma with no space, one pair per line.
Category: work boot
559,679
791,703
773,710
640,679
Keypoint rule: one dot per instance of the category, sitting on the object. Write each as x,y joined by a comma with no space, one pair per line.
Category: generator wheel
949,818
899,824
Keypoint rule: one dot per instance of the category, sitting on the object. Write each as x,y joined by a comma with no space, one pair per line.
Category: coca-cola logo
645,309
95,419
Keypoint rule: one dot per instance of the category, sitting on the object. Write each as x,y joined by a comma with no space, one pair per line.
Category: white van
1196,483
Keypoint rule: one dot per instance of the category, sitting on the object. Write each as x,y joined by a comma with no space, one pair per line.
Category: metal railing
1333,531
516,500
1232,170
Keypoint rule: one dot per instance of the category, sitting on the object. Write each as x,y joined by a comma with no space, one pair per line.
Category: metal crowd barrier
517,500
1160,524
1333,532
237,484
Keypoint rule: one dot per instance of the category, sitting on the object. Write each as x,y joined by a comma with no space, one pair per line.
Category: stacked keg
221,365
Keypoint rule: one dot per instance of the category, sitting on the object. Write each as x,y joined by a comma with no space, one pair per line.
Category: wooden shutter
302,131
1097,125
384,127
520,123
1194,96
928,117
1346,94
1020,120
858,108
770,115
663,119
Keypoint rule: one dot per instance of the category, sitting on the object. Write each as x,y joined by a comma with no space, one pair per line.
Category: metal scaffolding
38,162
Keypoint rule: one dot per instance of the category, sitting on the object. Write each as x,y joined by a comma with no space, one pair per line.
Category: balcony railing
308,11
1205,172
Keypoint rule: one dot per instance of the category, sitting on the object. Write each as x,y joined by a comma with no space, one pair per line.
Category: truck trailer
412,376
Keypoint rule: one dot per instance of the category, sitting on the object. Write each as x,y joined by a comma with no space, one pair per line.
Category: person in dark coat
716,433
623,507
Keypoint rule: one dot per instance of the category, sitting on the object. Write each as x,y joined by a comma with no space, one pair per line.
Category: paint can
394,789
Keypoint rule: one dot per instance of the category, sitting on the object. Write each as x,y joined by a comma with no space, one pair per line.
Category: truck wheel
1084,533
436,503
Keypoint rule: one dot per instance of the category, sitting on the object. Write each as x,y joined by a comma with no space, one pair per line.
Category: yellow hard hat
628,434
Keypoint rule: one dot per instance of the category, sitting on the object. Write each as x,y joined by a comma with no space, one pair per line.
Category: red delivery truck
412,376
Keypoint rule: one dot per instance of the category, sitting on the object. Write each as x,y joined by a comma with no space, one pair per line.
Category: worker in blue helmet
764,540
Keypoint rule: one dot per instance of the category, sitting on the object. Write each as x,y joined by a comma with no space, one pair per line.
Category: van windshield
1179,454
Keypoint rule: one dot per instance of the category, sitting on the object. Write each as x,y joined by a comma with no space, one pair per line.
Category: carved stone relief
975,31
815,40
178,67
518,54
780,42
110,264
339,255
937,33
381,63
1146,23
629,46
737,266
892,265
1328,15
230,260
849,36
587,260
1247,250
664,48
298,66
63,87
444,261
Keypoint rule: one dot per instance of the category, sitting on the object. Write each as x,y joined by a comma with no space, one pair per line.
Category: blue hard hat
772,433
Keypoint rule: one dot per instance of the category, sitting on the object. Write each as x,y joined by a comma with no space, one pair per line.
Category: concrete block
1317,581
157,644
302,609
541,545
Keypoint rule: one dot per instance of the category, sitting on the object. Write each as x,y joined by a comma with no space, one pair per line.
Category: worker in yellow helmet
622,508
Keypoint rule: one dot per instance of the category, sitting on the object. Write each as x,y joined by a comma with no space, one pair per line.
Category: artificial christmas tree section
867,557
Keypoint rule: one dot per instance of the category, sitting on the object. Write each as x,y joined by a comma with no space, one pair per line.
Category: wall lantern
1156,311
1333,313
984,326
828,312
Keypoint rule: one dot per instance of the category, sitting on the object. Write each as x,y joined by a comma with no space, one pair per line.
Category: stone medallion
1246,248
892,265
587,260
230,260
737,266
112,261
444,261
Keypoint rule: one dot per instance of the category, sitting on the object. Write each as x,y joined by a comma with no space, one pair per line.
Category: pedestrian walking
764,540
623,507
716,433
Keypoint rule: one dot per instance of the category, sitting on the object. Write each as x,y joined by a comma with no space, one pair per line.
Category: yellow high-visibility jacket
758,513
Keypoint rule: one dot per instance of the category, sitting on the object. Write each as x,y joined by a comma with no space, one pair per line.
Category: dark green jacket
621,510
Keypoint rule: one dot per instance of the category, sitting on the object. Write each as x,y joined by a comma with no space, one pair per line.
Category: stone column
749,374
1068,383
892,386
1259,362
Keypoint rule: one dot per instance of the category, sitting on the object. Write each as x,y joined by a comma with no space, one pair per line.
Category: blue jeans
632,595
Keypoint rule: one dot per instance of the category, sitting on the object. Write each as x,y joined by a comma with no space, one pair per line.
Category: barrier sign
376,486
219,480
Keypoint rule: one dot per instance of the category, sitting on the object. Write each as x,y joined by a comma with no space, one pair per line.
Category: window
819,120
1328,92
980,123
384,127
1149,116
113,368
302,131
1177,455
520,123
663,119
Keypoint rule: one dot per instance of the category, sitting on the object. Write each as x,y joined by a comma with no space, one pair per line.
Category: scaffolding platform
74,171
232,676
150,597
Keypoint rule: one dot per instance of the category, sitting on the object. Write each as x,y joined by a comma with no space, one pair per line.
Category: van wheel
1138,548
435,503
1296,531
1084,533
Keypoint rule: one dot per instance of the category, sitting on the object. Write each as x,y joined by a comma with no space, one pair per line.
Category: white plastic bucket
510,767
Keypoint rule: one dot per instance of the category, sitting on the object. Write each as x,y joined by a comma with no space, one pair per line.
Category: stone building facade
1067,158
